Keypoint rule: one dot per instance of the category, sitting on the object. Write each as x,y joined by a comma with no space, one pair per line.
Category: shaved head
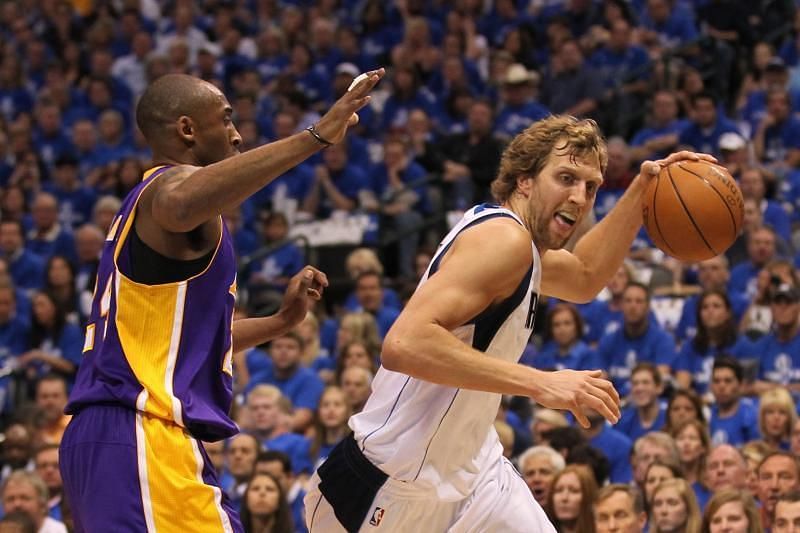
187,120
167,99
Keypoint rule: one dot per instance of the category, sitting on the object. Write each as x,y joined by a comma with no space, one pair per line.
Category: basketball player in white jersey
424,455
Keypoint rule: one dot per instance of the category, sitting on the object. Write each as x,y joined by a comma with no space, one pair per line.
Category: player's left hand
650,169
304,287
333,124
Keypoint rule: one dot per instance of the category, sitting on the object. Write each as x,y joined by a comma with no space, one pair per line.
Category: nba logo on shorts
377,516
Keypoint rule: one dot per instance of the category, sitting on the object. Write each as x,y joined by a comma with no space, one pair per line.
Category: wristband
312,129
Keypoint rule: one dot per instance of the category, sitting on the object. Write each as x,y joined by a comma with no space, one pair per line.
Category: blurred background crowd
706,356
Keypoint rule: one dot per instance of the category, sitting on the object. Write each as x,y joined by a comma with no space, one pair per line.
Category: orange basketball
693,210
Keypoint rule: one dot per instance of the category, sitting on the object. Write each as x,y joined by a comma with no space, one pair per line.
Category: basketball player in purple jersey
156,375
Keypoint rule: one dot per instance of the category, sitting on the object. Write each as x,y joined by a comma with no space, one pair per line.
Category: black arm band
312,129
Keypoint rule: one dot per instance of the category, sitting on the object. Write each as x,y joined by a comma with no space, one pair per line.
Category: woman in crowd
563,347
265,508
60,282
658,472
754,452
54,345
716,333
330,423
683,405
360,327
731,511
674,508
776,416
315,356
693,443
569,503
14,206
354,353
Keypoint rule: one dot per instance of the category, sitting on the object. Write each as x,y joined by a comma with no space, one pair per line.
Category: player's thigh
387,511
99,471
320,516
126,472
502,502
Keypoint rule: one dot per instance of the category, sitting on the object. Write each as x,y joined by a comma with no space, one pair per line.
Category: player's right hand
333,125
576,390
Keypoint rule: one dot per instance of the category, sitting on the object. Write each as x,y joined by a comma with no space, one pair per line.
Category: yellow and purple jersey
164,349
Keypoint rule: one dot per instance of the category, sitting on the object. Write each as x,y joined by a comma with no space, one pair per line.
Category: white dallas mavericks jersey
440,438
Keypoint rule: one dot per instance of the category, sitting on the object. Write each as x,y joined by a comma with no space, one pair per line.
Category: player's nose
578,194
236,138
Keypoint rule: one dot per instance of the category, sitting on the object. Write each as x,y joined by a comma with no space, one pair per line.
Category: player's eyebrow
578,171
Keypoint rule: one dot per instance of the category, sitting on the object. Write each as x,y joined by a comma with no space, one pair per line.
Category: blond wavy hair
529,151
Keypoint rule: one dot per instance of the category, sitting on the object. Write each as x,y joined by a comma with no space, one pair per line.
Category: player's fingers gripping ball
693,210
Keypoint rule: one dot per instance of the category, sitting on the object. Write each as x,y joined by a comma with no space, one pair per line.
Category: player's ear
524,185
186,129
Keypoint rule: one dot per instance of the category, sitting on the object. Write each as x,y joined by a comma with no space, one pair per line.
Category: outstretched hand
333,125
577,390
305,286
650,169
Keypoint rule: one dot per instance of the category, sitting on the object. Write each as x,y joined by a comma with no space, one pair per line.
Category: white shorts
501,502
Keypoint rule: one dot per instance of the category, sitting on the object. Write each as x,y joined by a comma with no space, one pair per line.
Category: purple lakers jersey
161,349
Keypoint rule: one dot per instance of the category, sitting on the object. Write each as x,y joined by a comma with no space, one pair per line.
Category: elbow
395,352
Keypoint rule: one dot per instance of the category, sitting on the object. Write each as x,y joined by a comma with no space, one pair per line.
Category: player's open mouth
565,218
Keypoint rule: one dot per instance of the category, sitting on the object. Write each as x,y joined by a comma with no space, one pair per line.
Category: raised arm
191,196
579,275
483,267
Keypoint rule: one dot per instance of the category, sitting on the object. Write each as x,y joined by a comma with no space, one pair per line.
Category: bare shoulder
498,243
171,177
491,257
158,198
153,218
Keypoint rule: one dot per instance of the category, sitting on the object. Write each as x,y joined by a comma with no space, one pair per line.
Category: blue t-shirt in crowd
621,353
74,207
617,448
779,139
57,242
297,447
13,342
736,429
630,423
303,387
743,280
27,270
257,361
699,365
780,360
349,181
707,139
645,134
599,319
283,262
67,344
777,218
513,119
578,357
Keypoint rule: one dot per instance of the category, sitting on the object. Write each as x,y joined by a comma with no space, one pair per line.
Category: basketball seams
655,217
711,185
688,213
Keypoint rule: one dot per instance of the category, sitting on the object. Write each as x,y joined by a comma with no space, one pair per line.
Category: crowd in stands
705,356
